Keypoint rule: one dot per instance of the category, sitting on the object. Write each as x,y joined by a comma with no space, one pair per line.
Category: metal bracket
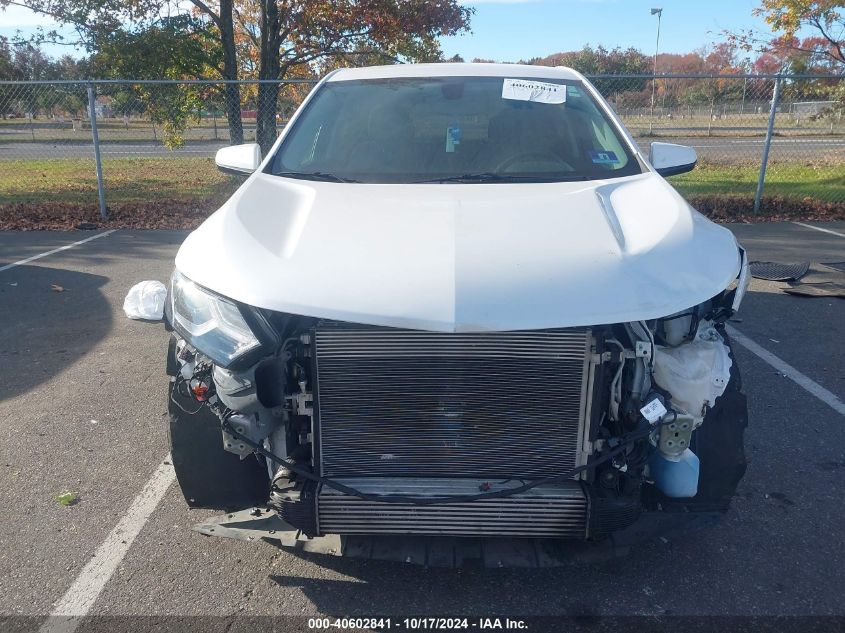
261,524
675,436
643,349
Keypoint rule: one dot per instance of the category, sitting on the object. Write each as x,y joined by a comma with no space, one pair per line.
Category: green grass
180,178
823,182
74,180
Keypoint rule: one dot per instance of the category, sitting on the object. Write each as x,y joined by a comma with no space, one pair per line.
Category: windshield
452,129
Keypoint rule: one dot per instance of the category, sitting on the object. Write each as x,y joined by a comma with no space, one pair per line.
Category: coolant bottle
678,477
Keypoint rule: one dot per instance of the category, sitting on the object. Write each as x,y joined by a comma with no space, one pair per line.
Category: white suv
456,299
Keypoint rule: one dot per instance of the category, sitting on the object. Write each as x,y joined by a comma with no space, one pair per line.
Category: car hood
462,257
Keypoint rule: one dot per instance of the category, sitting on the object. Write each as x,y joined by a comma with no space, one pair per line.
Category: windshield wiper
315,175
489,176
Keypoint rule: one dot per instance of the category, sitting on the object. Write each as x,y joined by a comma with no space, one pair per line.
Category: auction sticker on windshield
539,91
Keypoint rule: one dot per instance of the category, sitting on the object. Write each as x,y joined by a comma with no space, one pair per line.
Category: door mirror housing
670,159
241,160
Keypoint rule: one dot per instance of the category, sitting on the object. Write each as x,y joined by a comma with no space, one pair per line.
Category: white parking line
55,250
68,612
818,228
789,371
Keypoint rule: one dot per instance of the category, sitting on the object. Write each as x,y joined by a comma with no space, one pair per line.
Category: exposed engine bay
570,432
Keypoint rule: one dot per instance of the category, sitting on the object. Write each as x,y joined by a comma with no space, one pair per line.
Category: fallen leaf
68,498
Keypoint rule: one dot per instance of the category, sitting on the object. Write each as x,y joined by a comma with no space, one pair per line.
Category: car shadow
49,318
348,586
360,588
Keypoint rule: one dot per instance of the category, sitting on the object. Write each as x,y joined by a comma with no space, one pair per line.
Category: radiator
401,403
558,510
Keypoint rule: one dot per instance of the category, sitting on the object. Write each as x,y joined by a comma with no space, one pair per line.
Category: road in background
82,396
714,148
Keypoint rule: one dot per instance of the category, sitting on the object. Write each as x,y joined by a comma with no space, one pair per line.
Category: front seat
521,131
387,146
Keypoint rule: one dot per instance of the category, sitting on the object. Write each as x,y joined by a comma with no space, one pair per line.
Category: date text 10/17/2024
418,624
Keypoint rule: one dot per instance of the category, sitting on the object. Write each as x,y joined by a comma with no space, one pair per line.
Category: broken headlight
211,324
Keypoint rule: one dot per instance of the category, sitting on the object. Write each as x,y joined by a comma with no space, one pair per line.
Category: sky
509,30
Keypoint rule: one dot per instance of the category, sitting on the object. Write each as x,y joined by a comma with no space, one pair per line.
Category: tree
96,22
670,91
723,63
172,48
293,34
22,61
278,39
824,18
7,92
222,20
601,61
275,36
5,58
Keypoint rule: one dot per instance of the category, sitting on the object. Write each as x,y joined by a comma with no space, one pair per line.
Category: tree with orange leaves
822,22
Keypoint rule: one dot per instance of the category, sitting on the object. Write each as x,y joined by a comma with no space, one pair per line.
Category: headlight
211,324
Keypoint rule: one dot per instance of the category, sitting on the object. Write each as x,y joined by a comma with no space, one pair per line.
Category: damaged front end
353,429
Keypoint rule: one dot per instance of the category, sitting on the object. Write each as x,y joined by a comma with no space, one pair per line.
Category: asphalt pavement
82,401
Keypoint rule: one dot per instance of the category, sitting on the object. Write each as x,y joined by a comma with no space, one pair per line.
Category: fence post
767,145
92,113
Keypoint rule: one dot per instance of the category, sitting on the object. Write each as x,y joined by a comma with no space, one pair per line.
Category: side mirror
670,159
239,159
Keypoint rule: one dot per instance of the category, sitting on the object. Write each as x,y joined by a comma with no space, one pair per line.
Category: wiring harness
623,443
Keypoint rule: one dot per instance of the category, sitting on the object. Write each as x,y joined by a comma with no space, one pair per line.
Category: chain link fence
156,140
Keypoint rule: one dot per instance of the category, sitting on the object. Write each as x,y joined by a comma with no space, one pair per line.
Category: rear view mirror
239,159
670,159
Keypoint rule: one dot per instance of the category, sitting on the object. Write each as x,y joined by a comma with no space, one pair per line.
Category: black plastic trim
235,172
208,475
675,170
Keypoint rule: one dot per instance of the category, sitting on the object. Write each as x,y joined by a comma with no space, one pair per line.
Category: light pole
659,14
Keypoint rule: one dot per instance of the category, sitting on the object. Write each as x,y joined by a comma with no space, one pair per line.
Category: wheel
209,476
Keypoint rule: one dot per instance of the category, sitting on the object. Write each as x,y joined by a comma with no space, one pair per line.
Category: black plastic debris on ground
772,271
822,280
840,266
804,279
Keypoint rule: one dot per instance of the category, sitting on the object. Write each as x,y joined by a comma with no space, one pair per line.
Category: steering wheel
536,157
